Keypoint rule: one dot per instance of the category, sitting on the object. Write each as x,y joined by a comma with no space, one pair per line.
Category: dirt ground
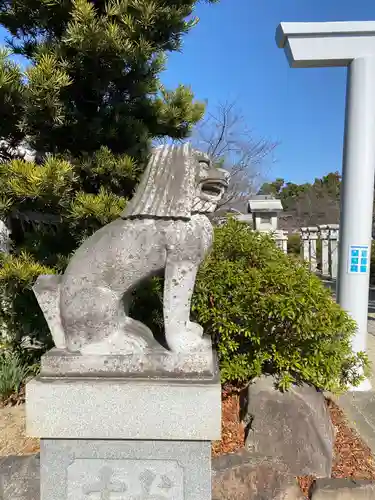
12,433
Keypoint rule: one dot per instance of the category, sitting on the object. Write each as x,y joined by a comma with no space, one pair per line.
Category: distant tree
272,188
318,203
314,207
308,203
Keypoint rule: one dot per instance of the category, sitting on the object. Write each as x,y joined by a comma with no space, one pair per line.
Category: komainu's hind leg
95,323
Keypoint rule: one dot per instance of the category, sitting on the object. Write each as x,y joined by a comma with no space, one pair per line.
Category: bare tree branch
224,135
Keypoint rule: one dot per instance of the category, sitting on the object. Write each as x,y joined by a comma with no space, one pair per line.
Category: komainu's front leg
181,334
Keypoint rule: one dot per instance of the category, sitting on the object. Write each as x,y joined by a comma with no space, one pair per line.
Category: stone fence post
313,237
324,235
309,236
281,239
305,244
284,242
329,236
333,248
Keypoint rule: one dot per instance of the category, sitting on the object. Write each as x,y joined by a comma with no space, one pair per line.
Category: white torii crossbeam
350,44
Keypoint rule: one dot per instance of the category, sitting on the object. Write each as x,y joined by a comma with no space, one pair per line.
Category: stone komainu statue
162,228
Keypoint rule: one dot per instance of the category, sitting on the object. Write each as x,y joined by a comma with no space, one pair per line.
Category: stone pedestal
116,435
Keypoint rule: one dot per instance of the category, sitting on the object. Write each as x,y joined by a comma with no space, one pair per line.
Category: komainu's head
177,182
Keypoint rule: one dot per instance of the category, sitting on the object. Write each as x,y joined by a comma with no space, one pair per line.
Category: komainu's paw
117,343
195,330
189,339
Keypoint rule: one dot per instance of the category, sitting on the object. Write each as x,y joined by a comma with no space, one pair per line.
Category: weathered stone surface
20,478
162,229
139,470
47,293
5,241
343,489
294,426
71,470
123,408
237,476
244,476
157,363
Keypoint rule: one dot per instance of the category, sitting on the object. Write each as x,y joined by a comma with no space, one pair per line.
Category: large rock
343,489
294,426
19,478
244,476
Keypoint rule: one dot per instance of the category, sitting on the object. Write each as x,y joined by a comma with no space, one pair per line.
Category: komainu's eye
205,164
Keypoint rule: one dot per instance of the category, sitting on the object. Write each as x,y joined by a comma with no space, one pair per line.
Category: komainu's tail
47,292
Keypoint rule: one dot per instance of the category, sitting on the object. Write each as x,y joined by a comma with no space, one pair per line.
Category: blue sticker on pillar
358,259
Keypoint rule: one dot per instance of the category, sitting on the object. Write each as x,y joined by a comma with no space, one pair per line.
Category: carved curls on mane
167,186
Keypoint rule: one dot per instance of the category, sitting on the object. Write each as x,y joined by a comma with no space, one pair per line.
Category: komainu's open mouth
213,188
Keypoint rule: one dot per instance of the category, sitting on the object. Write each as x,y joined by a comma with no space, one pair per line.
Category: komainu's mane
167,188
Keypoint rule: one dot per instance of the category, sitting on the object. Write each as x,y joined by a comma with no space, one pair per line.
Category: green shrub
267,313
14,372
20,314
294,244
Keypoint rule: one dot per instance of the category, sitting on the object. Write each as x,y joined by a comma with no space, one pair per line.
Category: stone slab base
359,408
114,470
156,363
111,408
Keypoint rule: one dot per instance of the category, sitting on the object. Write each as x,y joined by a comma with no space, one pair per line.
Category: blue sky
232,54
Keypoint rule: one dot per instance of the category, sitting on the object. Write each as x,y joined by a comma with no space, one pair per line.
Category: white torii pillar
350,44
